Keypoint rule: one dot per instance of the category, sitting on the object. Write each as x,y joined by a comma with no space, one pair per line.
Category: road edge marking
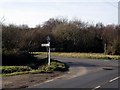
96,87
114,79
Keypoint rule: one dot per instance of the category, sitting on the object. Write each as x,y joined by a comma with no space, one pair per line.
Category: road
86,73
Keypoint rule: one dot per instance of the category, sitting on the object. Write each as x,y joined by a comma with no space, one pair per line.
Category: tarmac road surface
86,73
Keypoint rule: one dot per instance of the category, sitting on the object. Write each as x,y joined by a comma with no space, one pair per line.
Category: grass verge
79,55
18,70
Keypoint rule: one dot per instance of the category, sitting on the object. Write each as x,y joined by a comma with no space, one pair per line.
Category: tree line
66,36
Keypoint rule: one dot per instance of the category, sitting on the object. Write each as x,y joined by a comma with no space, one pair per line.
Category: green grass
80,55
22,72
18,70
12,69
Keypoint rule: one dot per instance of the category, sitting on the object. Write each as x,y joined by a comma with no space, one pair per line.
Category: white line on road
114,79
109,82
96,87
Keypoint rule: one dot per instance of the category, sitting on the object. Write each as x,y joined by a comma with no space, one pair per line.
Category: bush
47,69
58,66
114,48
16,57
55,66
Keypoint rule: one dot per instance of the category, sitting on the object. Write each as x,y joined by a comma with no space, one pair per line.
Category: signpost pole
48,40
49,54
48,48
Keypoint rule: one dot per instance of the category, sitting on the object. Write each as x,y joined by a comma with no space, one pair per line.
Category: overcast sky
34,12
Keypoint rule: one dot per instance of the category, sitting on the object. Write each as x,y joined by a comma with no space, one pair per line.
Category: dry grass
80,55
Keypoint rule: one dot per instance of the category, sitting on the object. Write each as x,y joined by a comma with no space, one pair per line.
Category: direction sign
45,45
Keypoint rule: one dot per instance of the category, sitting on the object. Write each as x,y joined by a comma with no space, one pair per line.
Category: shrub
16,57
47,69
55,66
113,48
58,66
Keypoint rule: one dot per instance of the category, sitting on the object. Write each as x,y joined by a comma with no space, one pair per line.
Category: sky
35,12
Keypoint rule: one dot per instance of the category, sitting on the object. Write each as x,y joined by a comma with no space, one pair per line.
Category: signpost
48,48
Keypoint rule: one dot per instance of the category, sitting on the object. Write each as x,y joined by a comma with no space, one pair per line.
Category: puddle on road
108,68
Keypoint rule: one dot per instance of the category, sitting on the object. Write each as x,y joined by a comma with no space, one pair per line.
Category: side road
82,72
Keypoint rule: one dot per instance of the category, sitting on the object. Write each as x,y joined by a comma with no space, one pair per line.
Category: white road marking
69,75
49,81
109,82
96,87
114,79
106,60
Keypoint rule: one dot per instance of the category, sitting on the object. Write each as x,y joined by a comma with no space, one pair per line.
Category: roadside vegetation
66,36
16,62
41,68
80,55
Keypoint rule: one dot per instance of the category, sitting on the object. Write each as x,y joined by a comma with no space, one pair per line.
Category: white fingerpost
48,40
49,54
48,48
